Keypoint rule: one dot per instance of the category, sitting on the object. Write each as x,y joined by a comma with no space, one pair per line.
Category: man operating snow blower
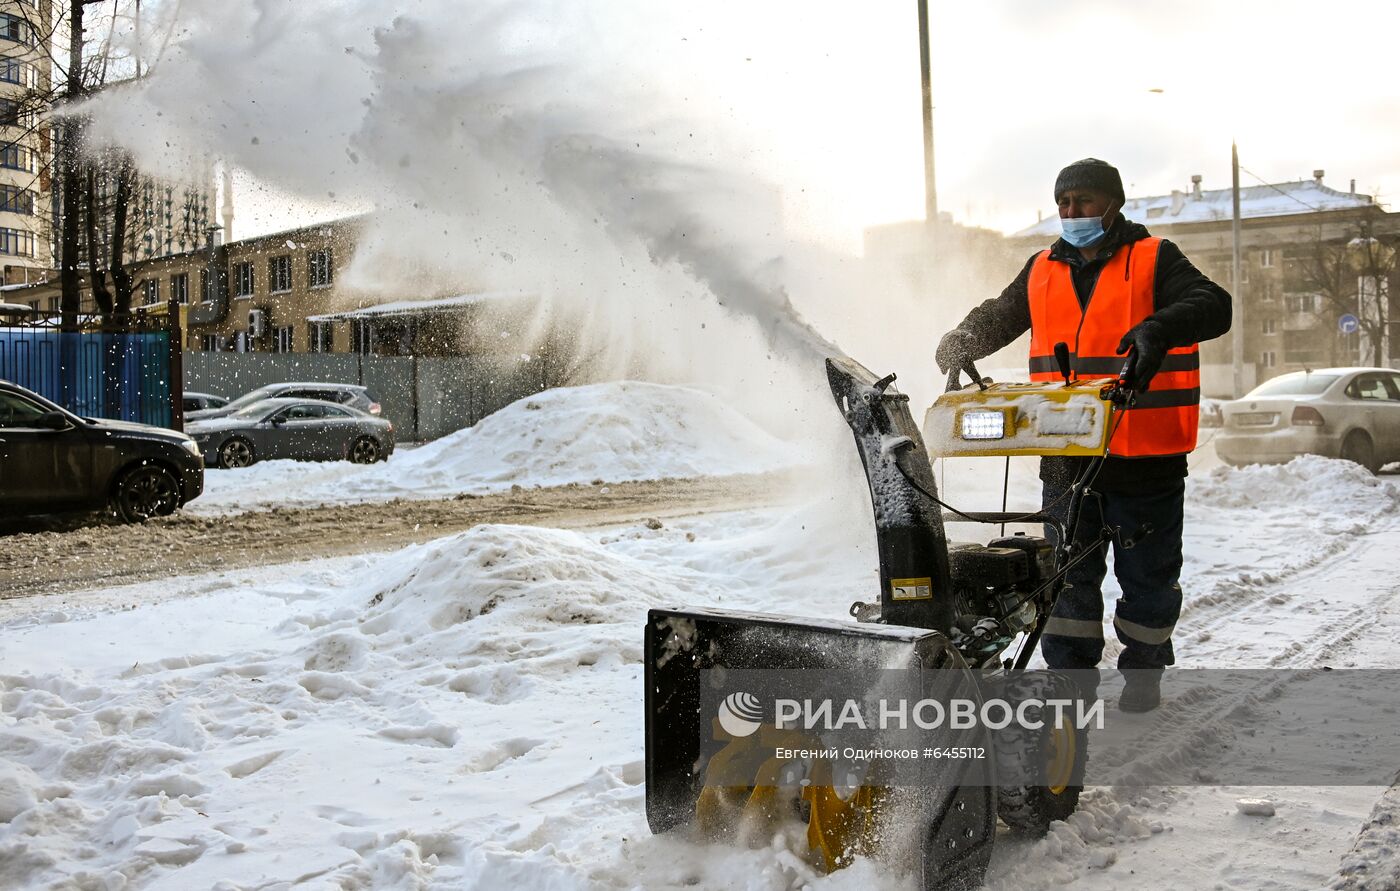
1107,289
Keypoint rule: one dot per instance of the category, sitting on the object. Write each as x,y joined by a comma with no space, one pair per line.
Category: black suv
51,460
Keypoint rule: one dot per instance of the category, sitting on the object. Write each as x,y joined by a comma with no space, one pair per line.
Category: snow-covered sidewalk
467,712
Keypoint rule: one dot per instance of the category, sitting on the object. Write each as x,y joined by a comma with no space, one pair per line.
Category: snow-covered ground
467,712
617,431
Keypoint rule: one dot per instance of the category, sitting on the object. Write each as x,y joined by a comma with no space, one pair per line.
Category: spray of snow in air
502,147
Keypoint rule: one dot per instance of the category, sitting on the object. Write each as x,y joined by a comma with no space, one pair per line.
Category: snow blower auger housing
955,608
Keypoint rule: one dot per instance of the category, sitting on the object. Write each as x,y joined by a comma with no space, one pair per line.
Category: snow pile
1319,484
1371,864
618,431
462,713
625,430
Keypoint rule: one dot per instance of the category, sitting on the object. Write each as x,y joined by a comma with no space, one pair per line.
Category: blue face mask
1082,231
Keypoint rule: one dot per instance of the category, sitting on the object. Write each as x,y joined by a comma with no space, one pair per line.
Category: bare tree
1350,271
92,187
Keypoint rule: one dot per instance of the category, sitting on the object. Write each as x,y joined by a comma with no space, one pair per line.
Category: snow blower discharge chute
945,609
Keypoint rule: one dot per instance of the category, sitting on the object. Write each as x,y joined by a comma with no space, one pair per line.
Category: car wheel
1357,447
146,491
236,453
365,450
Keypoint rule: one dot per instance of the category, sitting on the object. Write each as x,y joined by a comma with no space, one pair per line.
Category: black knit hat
1091,173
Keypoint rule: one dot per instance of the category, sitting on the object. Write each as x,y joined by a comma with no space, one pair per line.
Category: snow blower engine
951,607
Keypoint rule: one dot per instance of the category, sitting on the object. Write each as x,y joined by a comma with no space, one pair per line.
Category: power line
1288,195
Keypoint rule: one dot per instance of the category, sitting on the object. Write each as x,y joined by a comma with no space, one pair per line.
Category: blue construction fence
122,376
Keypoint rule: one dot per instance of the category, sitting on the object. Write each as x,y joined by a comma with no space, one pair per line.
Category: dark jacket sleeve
995,323
1191,307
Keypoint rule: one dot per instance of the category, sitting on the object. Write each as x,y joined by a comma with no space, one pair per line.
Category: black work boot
1142,690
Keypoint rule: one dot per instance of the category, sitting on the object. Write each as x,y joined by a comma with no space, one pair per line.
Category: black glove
955,351
1148,342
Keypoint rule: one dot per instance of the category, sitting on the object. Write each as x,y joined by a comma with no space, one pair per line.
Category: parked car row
52,460
353,395
1348,413
305,429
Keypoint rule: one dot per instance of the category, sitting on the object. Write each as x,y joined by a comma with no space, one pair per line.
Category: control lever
1118,392
1062,360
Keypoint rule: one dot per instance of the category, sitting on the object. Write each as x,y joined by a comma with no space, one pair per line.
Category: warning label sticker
911,589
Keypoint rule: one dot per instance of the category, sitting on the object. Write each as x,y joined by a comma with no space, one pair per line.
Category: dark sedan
52,460
306,429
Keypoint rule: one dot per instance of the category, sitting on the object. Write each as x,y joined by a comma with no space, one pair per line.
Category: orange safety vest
1163,420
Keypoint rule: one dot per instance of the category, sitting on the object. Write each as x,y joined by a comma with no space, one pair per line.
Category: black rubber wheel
1055,754
236,452
146,491
365,450
1359,449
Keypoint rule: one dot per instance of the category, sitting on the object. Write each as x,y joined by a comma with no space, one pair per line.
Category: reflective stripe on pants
1149,574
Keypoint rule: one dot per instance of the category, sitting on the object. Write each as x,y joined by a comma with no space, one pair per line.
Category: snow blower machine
735,773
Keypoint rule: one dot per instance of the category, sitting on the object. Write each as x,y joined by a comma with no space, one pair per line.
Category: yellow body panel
1039,418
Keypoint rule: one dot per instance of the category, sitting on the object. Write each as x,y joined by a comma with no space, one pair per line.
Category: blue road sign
1348,323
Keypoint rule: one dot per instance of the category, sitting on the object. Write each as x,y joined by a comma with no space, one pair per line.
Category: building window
1266,359
279,274
283,340
16,157
1266,258
10,113
1268,326
320,337
180,287
13,199
13,71
1301,303
1268,291
151,288
318,268
12,27
16,242
361,337
209,342
243,279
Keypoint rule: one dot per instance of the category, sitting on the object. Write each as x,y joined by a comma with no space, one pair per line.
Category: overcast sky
823,98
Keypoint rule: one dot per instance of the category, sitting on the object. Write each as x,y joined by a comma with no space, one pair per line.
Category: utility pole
1237,324
70,299
930,191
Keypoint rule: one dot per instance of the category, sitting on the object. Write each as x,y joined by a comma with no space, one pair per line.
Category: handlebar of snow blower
1118,392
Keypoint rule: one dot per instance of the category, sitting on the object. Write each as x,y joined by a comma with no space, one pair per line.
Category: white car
195,401
1349,413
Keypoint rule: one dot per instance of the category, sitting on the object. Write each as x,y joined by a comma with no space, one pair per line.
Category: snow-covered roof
1214,205
408,307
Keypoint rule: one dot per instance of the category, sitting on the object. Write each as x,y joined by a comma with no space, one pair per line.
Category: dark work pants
1149,574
